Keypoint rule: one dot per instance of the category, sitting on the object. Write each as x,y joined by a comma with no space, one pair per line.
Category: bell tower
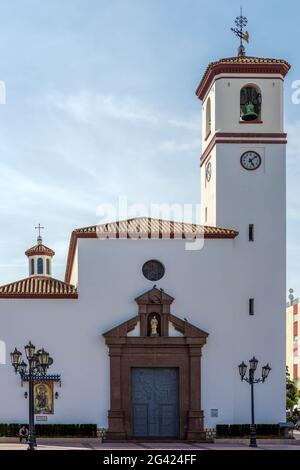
243,187
243,142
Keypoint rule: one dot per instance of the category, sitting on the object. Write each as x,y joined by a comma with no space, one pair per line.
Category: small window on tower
250,104
206,214
251,306
40,266
208,118
251,232
48,267
32,267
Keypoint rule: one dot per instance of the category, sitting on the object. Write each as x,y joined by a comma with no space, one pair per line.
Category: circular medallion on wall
250,160
153,270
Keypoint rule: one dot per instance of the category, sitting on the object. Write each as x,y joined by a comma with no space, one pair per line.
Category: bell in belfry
249,114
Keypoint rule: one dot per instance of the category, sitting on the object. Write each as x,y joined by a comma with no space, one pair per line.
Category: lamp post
38,364
251,380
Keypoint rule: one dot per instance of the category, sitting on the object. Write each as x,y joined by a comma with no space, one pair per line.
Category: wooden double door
155,402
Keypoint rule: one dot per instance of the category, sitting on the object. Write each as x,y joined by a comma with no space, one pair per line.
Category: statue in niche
154,326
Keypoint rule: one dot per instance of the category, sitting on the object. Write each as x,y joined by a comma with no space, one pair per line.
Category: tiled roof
154,228
38,287
241,64
250,60
39,249
144,228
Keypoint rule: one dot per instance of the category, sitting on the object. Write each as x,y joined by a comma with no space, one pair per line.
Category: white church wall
208,289
259,266
209,191
191,277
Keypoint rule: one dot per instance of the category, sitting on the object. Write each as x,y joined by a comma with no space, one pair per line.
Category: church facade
153,318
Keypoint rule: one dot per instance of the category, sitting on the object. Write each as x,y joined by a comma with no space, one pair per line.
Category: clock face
153,270
208,171
250,160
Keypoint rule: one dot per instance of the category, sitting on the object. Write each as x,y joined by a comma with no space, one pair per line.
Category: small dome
40,258
40,249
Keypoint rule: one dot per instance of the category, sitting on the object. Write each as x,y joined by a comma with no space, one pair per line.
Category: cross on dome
39,238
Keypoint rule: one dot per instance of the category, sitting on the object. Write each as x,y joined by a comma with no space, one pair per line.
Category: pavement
95,444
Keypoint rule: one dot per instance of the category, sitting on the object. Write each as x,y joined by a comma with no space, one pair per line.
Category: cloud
172,146
191,124
17,184
89,106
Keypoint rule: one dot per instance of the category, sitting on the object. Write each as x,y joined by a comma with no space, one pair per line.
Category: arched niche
208,118
250,103
154,324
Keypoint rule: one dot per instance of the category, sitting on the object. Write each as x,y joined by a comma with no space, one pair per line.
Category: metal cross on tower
241,22
39,228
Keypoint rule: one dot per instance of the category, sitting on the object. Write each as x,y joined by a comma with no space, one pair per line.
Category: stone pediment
156,302
182,326
186,328
154,296
123,329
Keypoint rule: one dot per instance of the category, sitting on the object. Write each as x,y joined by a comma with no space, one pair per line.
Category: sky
100,103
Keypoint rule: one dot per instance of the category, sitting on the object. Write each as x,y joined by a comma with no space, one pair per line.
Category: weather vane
241,23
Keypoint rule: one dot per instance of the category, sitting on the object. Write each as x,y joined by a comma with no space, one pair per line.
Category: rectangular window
251,232
206,214
40,266
251,306
296,309
32,266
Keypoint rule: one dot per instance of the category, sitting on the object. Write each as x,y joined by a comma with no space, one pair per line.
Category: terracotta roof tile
241,64
38,287
154,228
250,60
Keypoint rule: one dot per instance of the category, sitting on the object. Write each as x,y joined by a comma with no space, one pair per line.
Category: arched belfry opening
250,103
208,118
